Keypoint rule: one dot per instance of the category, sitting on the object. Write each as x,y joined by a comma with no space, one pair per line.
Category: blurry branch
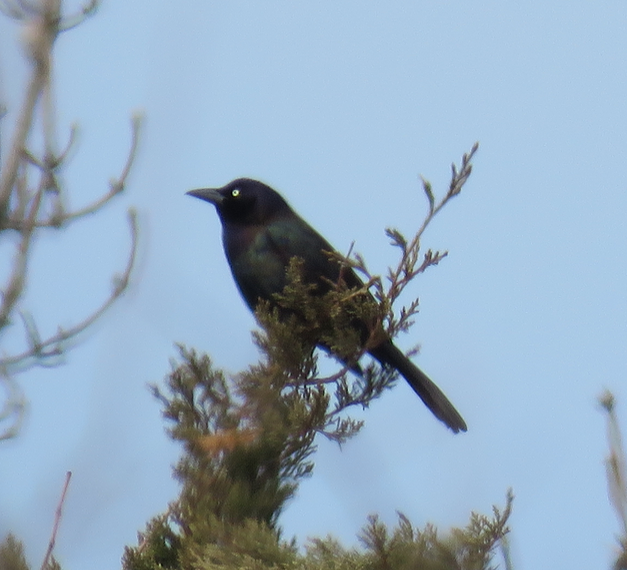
74,20
21,10
616,466
60,217
506,553
54,346
47,563
27,205
13,407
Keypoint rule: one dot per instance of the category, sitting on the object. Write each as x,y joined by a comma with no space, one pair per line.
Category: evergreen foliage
242,463
12,554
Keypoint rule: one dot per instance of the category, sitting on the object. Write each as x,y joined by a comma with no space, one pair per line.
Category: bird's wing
293,237
259,256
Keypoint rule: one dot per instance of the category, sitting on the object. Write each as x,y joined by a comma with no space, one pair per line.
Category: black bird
261,233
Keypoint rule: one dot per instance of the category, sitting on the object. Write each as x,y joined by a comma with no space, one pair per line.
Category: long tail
388,354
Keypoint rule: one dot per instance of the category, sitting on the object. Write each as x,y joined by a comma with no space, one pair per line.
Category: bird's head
244,201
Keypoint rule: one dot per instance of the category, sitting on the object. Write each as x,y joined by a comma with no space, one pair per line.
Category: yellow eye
235,192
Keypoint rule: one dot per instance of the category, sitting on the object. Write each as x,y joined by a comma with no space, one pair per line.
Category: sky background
341,106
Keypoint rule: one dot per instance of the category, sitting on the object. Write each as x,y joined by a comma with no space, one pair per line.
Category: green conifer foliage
12,554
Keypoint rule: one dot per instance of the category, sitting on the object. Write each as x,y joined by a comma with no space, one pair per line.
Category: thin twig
15,285
616,463
21,206
16,12
506,553
14,406
52,346
115,188
70,22
28,8
41,34
9,171
70,143
57,520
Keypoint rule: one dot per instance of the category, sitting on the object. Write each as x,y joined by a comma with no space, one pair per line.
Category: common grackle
261,233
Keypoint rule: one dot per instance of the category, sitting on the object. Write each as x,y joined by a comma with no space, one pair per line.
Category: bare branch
13,408
57,519
54,345
41,32
28,8
9,11
9,170
116,186
616,464
85,12
15,286
70,143
22,205
21,10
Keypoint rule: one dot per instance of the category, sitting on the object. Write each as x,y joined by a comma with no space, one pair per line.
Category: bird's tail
388,354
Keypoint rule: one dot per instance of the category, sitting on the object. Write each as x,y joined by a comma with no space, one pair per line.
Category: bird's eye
235,192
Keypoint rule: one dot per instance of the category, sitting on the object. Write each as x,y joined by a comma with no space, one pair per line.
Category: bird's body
261,234
259,255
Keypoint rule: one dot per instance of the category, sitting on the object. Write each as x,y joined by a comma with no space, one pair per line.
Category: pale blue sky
340,106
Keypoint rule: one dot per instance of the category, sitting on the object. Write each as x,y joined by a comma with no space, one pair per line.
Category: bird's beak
208,195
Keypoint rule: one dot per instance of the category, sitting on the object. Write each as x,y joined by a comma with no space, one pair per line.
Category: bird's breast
257,267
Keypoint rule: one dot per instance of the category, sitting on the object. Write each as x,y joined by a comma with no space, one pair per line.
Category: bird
261,233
